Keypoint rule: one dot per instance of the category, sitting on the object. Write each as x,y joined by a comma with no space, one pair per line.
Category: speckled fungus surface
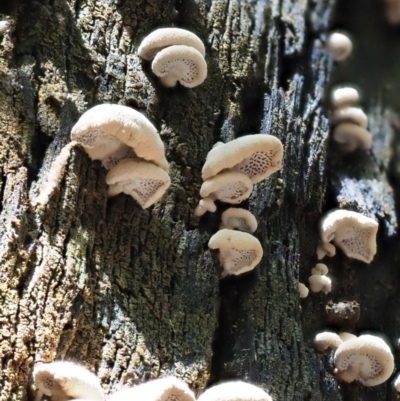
367,359
64,380
239,252
235,391
238,219
111,132
353,233
258,156
144,181
165,389
327,339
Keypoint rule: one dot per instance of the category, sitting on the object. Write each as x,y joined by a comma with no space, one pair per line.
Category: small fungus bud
303,290
339,45
319,283
326,340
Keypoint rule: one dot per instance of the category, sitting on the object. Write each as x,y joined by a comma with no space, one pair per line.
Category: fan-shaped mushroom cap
165,389
319,283
205,205
180,63
344,336
339,45
234,391
66,379
165,37
108,132
344,97
351,136
303,290
324,249
144,181
258,156
327,339
349,114
239,252
320,269
353,233
230,187
367,359
240,219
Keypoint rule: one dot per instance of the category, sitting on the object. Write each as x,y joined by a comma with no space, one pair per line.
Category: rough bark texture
134,294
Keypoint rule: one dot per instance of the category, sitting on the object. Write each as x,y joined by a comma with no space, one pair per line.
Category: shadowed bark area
134,294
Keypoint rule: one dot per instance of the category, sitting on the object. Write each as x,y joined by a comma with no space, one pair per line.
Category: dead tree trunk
133,294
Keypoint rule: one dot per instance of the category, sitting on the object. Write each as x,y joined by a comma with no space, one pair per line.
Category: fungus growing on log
144,181
339,45
344,97
239,219
258,156
165,37
230,187
353,233
234,391
320,269
351,137
165,389
110,132
239,252
303,290
327,339
351,115
63,380
320,283
324,249
367,359
344,336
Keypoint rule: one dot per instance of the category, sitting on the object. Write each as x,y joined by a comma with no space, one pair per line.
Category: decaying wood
133,294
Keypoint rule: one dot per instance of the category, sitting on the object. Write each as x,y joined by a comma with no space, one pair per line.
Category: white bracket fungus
320,269
344,336
351,137
324,249
110,132
349,114
353,233
180,63
319,283
64,380
238,219
165,37
367,359
230,187
145,182
327,339
165,389
235,391
239,252
339,45
303,290
344,97
258,156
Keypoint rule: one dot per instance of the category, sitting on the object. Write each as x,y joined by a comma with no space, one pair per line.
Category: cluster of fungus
349,123
178,56
64,381
127,144
367,358
229,173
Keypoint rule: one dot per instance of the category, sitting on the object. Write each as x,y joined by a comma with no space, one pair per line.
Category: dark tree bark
134,294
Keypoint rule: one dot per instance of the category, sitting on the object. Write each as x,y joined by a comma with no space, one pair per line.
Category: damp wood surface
134,294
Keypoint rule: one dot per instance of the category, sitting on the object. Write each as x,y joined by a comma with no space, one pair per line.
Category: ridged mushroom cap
180,63
109,132
320,269
144,181
238,219
239,252
234,391
367,359
351,136
258,156
327,339
349,114
63,379
230,187
325,248
352,232
303,290
165,37
319,283
165,389
339,45
344,97
344,336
